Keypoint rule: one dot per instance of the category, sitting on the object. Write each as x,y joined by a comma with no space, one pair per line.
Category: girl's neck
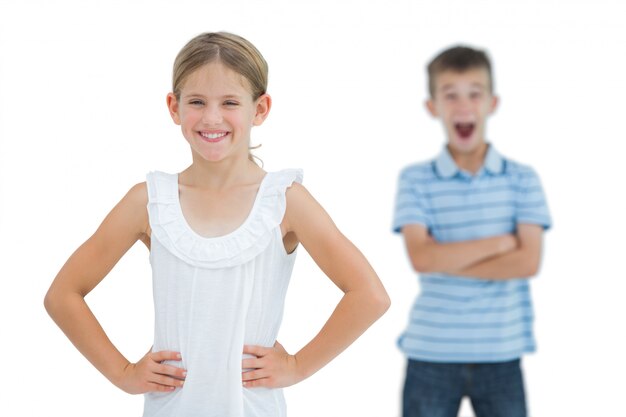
222,174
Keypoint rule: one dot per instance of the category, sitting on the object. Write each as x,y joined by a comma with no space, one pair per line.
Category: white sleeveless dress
213,295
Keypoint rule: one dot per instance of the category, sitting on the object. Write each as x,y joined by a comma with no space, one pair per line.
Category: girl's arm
92,261
364,300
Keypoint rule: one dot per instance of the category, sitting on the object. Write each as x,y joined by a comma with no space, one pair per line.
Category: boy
472,221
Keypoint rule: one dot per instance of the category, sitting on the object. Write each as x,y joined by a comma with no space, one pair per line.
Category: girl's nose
212,116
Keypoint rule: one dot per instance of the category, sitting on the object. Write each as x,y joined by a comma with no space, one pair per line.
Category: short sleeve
410,204
531,204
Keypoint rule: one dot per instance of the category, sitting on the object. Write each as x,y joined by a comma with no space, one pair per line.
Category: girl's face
216,112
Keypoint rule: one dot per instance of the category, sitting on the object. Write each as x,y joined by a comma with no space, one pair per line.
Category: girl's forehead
216,77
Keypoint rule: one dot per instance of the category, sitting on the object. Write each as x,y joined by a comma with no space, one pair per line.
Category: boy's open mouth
464,130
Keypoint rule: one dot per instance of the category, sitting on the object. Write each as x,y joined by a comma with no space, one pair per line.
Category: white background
83,118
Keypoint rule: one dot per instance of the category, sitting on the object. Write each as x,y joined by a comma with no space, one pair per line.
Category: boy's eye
196,102
475,95
450,96
231,103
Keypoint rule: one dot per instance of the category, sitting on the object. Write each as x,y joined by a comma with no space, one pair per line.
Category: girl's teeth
213,135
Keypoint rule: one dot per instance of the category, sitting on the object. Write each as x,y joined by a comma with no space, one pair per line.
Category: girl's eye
231,103
450,96
196,102
475,95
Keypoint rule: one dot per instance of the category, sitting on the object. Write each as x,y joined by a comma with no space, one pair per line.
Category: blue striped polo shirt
460,319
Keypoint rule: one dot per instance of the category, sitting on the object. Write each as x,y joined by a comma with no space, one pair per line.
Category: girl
222,237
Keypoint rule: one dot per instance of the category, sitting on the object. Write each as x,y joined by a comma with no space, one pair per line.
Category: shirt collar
494,163
447,168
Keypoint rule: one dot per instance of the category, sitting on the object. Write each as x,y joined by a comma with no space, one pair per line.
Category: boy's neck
472,160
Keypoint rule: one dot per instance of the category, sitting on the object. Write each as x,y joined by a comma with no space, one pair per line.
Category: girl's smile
213,137
216,111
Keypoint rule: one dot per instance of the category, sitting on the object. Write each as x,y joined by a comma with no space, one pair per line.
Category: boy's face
463,100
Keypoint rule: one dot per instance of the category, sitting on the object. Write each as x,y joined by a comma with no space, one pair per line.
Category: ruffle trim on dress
237,247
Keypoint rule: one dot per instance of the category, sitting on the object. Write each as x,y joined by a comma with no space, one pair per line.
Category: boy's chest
471,209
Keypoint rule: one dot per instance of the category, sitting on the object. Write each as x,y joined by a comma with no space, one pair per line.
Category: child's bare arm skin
427,255
364,300
523,262
88,265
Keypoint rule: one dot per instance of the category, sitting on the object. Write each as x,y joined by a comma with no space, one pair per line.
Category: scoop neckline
234,232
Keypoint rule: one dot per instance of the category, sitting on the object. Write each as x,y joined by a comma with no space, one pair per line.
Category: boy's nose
212,116
464,102
464,105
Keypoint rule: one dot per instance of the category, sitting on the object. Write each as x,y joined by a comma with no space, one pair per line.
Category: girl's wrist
117,373
302,369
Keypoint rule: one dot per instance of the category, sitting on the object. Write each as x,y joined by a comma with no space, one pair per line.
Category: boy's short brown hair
459,59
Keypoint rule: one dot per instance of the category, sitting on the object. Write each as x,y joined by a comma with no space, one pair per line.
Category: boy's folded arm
522,262
427,255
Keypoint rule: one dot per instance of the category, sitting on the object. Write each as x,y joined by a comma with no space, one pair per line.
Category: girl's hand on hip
151,375
272,368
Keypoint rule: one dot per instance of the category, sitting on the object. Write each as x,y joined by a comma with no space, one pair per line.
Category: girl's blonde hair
233,51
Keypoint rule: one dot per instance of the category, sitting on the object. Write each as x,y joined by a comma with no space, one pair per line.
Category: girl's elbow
386,303
49,302
53,302
380,302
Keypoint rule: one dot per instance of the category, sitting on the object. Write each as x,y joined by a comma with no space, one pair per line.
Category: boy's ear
430,106
263,106
172,106
495,100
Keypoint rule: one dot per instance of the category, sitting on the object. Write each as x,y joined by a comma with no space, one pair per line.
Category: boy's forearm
71,313
455,256
519,263
356,311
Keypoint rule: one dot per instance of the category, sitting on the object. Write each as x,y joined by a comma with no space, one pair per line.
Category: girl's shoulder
301,206
128,218
138,193
136,201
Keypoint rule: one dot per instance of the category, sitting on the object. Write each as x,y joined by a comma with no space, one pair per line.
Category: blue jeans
435,389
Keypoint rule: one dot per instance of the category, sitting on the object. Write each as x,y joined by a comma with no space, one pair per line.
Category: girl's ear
263,106
172,106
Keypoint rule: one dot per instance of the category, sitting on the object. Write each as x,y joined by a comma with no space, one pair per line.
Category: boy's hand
272,368
150,375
